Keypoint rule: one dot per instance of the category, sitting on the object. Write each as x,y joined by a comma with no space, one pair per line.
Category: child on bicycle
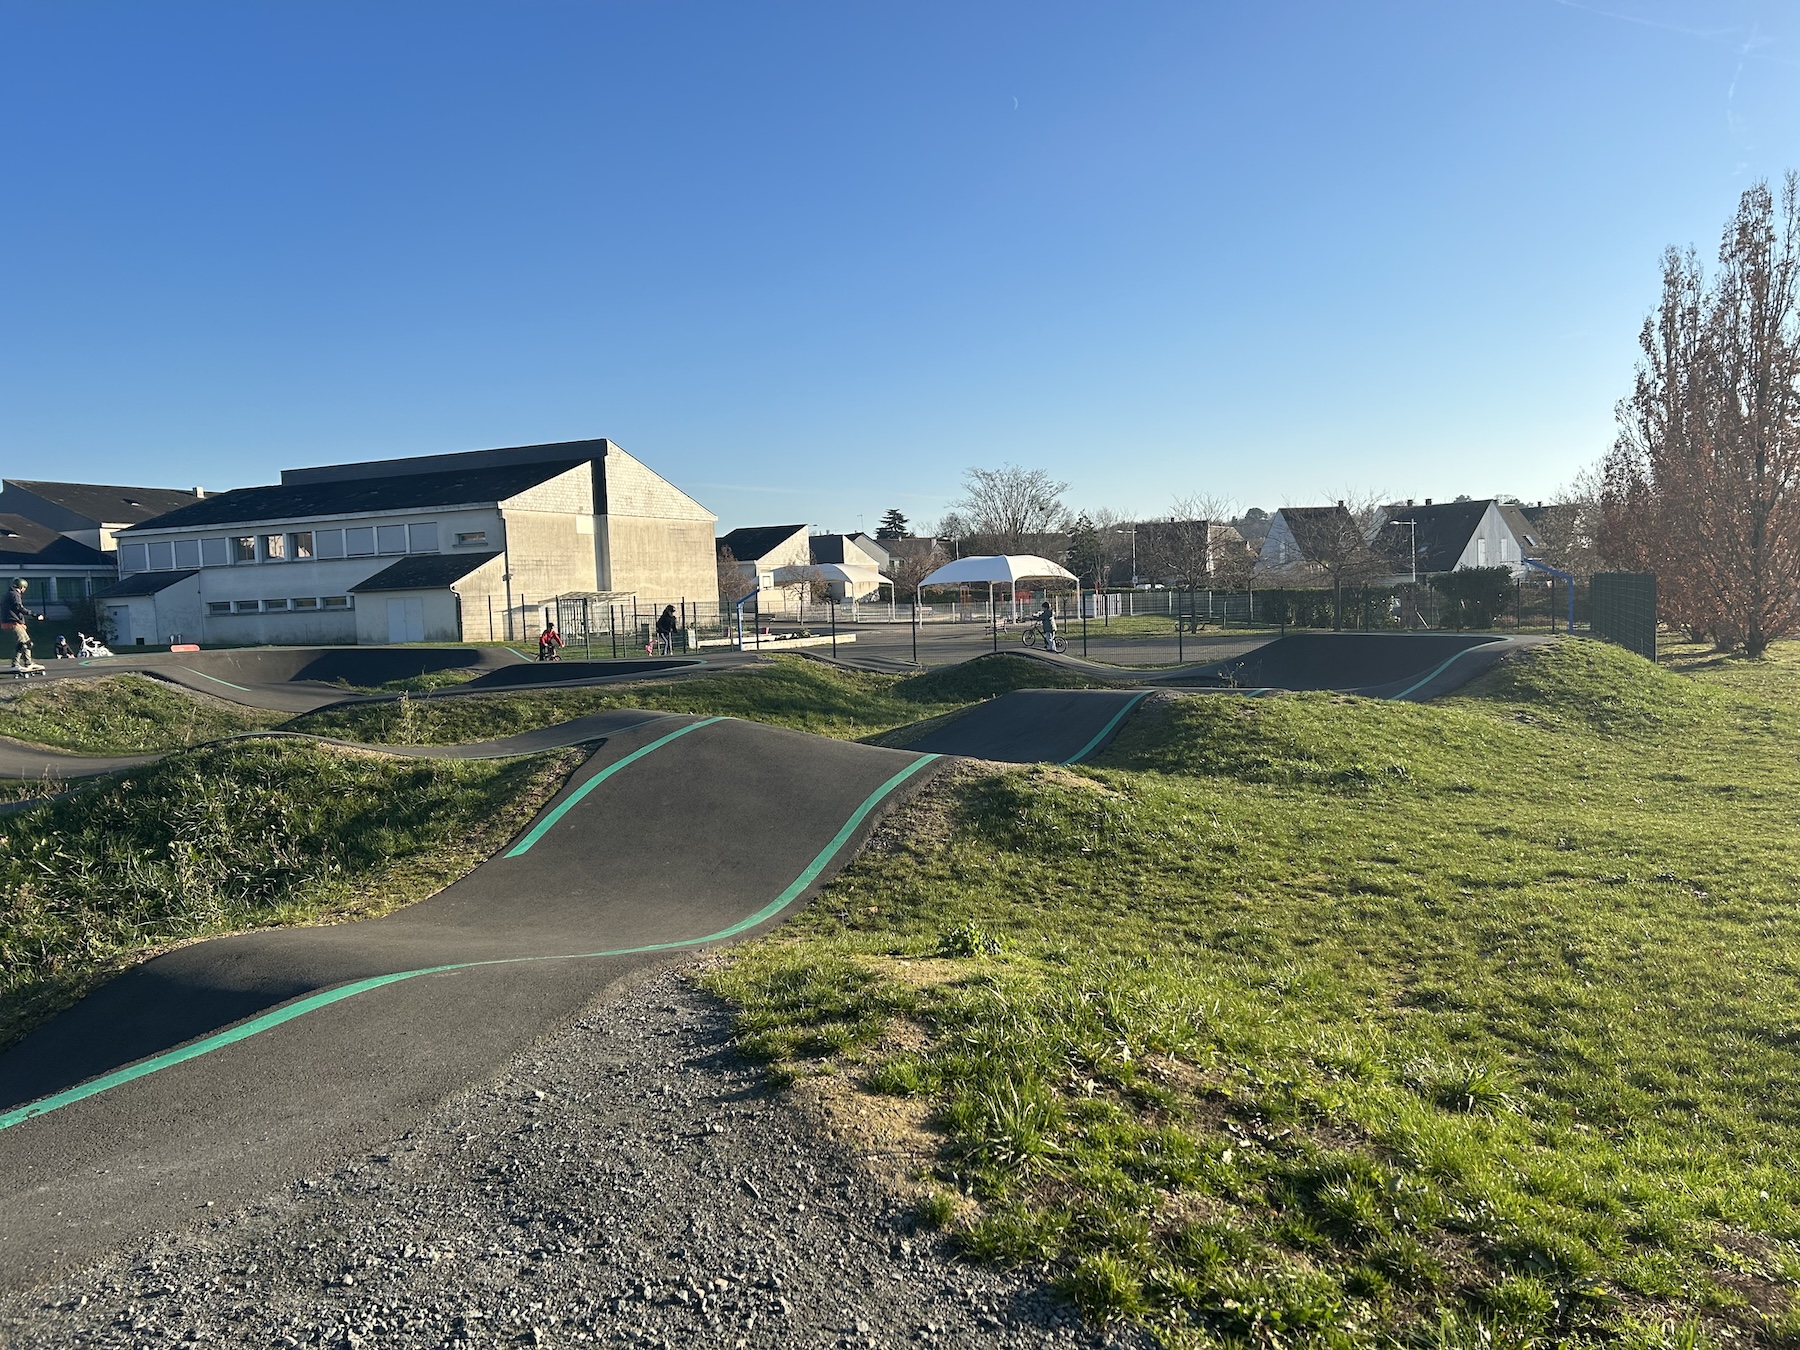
1047,621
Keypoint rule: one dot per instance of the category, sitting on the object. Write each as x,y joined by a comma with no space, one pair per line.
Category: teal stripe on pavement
1107,730
313,1002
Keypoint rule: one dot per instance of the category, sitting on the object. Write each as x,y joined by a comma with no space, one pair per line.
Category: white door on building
406,620
118,618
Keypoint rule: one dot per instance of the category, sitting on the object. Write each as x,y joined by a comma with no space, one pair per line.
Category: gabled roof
144,583
1444,530
25,543
105,505
406,492
425,572
755,542
1316,530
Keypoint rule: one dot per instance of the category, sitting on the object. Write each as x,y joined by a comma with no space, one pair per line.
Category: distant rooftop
26,543
106,505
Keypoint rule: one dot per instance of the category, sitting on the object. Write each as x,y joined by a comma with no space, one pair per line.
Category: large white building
441,548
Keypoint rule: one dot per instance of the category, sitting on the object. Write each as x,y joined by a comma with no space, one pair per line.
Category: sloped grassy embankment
248,834
1312,1020
122,714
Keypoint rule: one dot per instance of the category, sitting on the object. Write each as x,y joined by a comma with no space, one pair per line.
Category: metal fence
1624,610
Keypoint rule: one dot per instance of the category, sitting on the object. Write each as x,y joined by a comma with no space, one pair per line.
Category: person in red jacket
549,643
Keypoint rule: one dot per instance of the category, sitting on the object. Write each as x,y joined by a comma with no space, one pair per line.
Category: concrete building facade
440,548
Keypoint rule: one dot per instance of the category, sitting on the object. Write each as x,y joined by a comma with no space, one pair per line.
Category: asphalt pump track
213,1073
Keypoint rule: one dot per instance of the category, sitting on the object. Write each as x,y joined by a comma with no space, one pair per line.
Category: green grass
1311,1020
123,714
788,691
242,835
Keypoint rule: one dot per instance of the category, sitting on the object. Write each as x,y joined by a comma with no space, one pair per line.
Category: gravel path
627,1181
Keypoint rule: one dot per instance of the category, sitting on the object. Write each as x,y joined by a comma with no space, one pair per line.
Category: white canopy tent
1001,569
857,579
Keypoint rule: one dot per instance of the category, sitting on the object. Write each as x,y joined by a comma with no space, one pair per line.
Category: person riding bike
549,643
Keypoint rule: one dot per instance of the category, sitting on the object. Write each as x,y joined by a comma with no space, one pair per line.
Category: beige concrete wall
660,559
547,554
483,594
439,615
570,493
632,489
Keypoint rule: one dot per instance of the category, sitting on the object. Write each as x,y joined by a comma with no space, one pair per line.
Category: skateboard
25,672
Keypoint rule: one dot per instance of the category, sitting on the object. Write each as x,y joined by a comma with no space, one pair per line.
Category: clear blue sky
811,261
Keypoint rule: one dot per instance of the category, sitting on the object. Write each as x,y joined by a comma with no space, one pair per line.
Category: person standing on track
14,615
666,627
1047,621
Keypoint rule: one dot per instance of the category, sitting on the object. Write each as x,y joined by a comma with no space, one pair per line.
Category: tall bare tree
1334,546
1009,509
1702,485
734,585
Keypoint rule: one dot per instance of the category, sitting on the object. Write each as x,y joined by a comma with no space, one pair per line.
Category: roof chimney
1428,501
1340,503
199,492
1409,501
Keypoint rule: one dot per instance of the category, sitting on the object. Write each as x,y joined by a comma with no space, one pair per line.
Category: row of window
306,603
56,590
358,541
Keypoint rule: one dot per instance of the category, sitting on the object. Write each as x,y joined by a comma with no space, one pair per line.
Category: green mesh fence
1623,608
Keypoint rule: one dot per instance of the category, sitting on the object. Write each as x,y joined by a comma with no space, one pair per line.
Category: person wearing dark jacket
666,627
14,615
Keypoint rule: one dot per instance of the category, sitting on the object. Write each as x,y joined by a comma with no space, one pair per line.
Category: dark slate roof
407,492
754,542
106,505
144,583
1444,531
426,572
25,543
1316,530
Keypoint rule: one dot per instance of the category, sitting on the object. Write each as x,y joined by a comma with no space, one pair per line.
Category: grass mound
1582,681
988,677
1253,1040
787,691
124,714
242,835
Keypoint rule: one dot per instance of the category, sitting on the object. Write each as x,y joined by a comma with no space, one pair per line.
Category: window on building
71,589
274,547
307,602
273,606
390,538
246,606
214,552
300,545
162,556
218,606
187,552
422,538
471,539
328,543
133,558
334,602
243,548
360,541
37,592
1481,553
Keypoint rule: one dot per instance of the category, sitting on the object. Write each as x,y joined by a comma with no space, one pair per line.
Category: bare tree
1567,527
908,569
1010,509
1334,546
734,585
1180,550
804,584
1702,485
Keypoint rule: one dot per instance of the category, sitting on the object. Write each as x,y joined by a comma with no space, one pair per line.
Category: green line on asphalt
1107,730
312,1002
563,808
1439,669
216,680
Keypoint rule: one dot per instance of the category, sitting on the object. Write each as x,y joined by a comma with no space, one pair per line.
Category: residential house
1447,536
763,550
441,548
1305,541
864,559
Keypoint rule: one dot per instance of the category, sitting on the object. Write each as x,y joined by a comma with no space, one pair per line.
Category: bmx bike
1034,637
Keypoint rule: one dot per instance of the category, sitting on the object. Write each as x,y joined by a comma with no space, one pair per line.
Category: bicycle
1034,636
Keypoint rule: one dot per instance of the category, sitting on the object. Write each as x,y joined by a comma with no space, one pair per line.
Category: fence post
915,627
833,603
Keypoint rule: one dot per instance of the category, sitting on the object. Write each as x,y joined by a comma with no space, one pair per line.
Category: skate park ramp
216,1070
304,679
1412,666
1035,726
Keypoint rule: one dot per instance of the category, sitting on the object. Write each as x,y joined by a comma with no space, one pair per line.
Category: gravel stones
627,1181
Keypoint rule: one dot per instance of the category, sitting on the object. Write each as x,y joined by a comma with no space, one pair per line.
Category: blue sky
812,261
